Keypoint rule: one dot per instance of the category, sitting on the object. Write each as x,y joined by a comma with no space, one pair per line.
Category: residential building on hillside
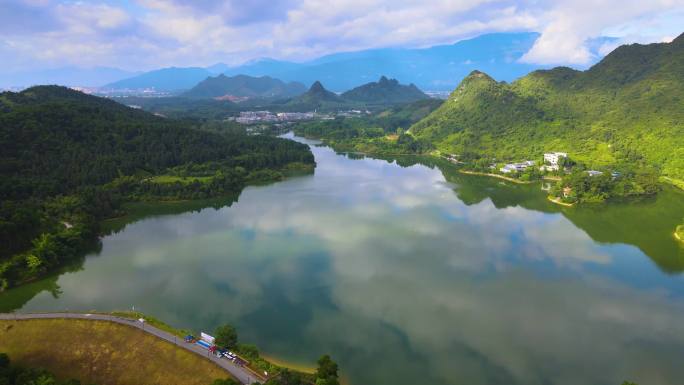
553,158
516,167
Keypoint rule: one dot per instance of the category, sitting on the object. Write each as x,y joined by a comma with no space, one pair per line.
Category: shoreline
677,183
559,202
104,225
496,176
303,368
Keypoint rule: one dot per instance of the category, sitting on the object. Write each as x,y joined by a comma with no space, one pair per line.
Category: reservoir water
407,273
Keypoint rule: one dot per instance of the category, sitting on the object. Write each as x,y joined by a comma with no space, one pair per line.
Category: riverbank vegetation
679,232
583,187
326,373
70,160
381,133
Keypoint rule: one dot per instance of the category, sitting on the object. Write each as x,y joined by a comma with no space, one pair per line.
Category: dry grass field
102,353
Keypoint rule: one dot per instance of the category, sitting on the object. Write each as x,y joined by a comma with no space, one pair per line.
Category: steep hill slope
627,109
244,86
385,91
56,140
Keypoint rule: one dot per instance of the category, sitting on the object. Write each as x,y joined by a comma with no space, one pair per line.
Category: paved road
242,374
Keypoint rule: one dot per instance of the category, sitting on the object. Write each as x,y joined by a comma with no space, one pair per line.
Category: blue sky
146,34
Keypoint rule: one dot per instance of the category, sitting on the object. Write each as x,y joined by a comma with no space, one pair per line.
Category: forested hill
244,86
68,160
385,91
627,109
55,140
317,97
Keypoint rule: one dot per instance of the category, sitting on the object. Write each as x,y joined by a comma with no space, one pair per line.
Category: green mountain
316,98
69,160
385,91
243,86
626,110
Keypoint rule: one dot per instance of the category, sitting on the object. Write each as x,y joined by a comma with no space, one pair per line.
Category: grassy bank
495,176
257,363
674,182
559,202
103,353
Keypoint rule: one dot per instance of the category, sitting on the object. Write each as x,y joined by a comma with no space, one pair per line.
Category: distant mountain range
435,68
384,92
626,110
243,86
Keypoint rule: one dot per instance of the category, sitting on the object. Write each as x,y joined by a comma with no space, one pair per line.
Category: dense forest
625,110
69,160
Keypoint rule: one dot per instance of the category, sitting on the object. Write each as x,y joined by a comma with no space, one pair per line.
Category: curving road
244,375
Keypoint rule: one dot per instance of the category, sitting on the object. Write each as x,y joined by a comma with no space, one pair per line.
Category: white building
552,158
594,173
516,167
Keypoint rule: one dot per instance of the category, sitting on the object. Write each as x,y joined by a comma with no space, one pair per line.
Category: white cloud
568,26
147,34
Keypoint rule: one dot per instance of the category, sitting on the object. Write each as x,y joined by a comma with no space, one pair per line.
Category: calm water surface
407,273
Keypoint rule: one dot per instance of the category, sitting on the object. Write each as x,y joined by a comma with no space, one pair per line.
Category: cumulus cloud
568,25
145,34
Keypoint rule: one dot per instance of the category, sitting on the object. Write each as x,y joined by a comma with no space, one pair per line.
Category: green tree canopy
226,336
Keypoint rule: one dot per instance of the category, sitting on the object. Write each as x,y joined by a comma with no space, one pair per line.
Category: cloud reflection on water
381,264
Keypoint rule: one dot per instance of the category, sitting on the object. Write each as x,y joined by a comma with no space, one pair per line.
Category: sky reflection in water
388,270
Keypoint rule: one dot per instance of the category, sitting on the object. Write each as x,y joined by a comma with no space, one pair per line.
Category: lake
407,273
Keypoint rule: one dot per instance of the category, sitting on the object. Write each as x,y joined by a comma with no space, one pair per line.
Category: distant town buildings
250,117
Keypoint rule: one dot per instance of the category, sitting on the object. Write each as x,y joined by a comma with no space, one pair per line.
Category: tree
326,373
226,336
